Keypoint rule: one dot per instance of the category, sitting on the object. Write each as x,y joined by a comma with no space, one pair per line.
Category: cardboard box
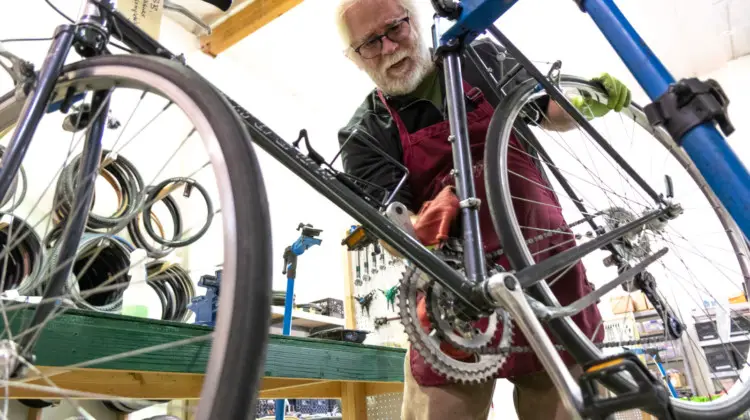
635,302
621,304
640,301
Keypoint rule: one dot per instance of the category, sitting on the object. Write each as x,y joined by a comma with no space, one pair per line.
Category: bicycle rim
235,364
565,330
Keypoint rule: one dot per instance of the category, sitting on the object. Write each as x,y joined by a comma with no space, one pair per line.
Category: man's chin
398,88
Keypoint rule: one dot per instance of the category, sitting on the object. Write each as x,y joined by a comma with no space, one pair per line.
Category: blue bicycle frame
706,146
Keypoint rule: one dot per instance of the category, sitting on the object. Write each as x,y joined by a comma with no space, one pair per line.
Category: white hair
344,5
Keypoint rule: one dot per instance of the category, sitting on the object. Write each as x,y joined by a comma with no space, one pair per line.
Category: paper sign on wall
146,14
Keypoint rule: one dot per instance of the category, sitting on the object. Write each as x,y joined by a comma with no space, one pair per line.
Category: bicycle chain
559,347
456,257
560,230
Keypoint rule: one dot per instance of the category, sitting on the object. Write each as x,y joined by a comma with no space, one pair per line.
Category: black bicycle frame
321,180
468,289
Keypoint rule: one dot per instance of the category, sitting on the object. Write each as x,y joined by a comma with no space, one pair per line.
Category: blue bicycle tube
476,16
709,151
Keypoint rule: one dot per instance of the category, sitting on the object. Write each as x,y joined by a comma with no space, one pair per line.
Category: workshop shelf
295,367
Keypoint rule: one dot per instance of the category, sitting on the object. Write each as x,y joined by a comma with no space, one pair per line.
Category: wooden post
353,402
34,414
350,314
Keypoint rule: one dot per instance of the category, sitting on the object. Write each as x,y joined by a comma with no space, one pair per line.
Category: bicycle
228,130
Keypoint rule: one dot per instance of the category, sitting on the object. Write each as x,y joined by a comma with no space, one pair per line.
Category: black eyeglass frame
379,38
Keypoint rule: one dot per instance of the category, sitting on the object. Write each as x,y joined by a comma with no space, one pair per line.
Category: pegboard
384,406
620,328
629,415
378,272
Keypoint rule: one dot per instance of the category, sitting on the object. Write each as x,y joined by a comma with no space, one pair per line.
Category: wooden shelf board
79,336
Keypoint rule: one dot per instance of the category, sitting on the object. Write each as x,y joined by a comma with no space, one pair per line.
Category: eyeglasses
397,32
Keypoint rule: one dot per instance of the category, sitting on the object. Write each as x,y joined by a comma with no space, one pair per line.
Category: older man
405,114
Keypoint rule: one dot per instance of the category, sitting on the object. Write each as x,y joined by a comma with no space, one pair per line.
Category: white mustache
392,59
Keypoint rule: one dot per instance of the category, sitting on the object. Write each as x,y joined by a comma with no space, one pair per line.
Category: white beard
405,84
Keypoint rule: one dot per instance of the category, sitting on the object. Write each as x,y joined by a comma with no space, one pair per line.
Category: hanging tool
390,297
375,252
307,238
358,280
365,273
382,261
365,302
382,321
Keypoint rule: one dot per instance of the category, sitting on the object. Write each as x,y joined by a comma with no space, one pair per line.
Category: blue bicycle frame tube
476,17
719,165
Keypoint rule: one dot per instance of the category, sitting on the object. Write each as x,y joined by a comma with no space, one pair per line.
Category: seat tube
463,170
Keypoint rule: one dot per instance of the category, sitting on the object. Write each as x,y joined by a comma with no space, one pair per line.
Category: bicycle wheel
600,190
188,108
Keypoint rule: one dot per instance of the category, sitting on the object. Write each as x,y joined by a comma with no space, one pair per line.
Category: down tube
719,165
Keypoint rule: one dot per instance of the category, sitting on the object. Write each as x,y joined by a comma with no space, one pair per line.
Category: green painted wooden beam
80,336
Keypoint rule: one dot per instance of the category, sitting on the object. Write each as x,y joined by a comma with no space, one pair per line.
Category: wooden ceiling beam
244,22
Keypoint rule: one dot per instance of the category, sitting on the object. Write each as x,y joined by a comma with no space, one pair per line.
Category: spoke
124,355
54,314
568,173
70,393
142,128
130,117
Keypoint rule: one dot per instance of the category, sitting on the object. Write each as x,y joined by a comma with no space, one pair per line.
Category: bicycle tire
240,336
503,216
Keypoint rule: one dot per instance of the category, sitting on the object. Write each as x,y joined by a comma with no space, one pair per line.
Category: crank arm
399,215
546,313
505,291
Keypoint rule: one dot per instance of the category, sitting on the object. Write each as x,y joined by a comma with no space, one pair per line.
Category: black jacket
371,123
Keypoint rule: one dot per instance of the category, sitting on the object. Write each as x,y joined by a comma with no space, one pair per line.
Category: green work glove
617,92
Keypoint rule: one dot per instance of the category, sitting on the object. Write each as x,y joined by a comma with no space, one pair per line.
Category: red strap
474,94
403,134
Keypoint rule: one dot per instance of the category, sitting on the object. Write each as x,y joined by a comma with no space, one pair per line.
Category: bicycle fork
35,106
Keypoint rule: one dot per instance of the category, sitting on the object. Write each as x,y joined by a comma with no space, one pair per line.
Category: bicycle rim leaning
715,262
239,337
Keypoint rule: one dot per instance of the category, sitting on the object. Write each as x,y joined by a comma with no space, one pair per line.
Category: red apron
429,157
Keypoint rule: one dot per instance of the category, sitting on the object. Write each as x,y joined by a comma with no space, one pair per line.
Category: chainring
484,366
449,324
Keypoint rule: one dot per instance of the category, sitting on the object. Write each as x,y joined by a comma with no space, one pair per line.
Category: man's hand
617,92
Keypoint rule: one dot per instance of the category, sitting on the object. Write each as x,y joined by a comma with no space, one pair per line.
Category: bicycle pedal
650,394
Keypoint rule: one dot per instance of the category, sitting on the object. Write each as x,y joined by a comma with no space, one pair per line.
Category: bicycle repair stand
654,353
307,238
205,306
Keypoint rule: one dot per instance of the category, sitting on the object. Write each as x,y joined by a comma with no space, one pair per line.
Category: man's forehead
369,17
